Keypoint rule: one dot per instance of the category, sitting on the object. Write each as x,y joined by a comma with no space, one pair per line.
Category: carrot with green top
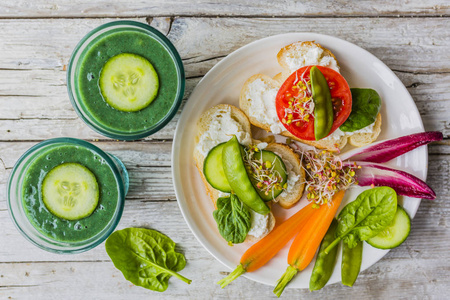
266,248
307,241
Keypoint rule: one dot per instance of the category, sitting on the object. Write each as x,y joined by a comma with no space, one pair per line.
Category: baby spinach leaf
233,219
365,217
145,257
366,104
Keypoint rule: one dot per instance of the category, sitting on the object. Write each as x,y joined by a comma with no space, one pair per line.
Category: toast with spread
258,96
216,126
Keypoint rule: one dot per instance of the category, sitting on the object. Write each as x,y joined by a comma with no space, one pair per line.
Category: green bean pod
324,265
323,107
234,169
351,263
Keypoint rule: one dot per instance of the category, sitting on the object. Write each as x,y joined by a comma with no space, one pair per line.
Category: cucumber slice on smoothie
128,82
70,191
213,169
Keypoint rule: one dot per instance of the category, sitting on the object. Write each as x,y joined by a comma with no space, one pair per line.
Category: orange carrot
304,246
266,248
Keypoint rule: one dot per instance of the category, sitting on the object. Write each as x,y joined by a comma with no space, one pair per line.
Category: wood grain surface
36,41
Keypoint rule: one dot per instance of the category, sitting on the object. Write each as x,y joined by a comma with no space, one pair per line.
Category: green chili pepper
323,107
324,265
234,169
351,263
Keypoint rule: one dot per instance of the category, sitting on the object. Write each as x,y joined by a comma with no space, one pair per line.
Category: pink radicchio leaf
403,183
386,150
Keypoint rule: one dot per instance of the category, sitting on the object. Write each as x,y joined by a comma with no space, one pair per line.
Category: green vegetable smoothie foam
127,78
72,175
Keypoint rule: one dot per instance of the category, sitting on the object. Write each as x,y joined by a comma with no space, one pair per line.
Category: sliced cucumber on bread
128,82
215,175
395,233
70,191
213,169
276,168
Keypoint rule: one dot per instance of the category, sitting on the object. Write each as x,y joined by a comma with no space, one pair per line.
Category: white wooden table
36,41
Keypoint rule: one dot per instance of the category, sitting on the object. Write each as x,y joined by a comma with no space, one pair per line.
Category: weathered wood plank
413,265
387,279
408,45
29,117
103,8
404,44
148,164
32,62
150,174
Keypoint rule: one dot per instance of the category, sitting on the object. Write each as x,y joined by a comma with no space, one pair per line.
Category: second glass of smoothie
66,195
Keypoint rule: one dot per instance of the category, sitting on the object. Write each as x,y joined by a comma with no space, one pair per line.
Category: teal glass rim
21,221
84,44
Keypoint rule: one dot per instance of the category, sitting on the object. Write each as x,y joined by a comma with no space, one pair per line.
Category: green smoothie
95,57
62,229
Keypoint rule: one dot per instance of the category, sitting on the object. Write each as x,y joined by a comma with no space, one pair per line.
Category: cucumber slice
128,82
277,166
70,191
395,233
213,169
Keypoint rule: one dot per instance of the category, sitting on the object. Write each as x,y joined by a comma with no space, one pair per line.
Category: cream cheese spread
220,130
259,225
262,104
310,55
292,177
337,134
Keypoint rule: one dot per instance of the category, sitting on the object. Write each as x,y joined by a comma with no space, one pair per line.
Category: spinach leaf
366,104
233,219
365,217
145,257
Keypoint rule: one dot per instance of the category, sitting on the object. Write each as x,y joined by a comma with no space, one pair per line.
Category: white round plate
223,83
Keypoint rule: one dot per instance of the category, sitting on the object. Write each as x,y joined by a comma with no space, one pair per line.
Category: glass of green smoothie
125,80
66,195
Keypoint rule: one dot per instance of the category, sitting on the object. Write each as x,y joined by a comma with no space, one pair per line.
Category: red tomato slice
340,95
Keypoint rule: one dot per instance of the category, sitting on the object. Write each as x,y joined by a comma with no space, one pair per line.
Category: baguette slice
257,101
202,126
300,54
285,152
265,119
288,199
362,139
279,78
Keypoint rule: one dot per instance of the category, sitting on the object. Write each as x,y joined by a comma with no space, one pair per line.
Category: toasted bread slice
300,54
286,199
362,139
202,126
208,116
265,117
330,145
294,168
280,78
257,101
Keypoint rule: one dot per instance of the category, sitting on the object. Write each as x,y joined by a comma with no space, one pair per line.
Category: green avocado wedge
234,168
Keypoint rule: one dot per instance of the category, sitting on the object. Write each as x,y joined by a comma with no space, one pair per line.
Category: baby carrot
266,248
307,241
